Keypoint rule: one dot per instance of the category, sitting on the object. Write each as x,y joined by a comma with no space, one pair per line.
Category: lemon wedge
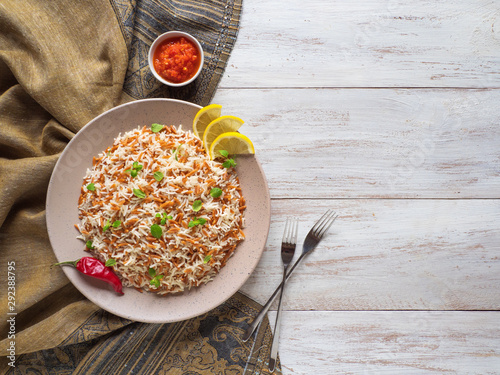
233,142
204,117
218,126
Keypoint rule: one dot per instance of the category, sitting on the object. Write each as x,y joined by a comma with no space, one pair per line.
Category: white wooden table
388,112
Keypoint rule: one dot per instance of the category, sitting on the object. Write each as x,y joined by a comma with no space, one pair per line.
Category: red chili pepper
95,268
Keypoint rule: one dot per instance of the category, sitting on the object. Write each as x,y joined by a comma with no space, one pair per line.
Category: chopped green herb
91,186
158,176
197,205
228,163
155,278
155,128
207,259
156,281
156,231
216,192
106,226
139,193
163,217
136,167
197,221
176,151
152,272
169,217
110,262
89,245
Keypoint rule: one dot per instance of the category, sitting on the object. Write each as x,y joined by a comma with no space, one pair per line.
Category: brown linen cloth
63,62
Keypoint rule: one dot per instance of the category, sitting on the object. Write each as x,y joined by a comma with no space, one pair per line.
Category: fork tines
291,231
324,223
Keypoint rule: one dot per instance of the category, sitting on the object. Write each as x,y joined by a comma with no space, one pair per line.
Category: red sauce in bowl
176,59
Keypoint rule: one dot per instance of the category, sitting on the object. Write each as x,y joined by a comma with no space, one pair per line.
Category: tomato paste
176,59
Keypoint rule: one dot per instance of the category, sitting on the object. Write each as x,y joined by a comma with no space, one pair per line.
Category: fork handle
250,330
274,345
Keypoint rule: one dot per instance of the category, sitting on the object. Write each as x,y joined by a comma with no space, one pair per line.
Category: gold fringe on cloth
62,63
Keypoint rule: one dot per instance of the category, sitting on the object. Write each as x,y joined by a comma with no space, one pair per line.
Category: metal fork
313,237
288,245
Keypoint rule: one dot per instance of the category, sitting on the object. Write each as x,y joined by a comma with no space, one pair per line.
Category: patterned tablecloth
61,64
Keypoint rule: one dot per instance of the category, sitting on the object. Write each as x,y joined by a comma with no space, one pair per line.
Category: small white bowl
174,34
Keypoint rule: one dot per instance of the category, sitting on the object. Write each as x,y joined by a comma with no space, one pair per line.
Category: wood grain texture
379,143
387,111
389,342
370,43
388,255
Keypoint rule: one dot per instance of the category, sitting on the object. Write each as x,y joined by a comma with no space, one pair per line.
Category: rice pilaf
118,209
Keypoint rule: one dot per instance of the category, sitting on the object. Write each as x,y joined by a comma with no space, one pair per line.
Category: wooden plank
376,143
390,342
388,255
372,43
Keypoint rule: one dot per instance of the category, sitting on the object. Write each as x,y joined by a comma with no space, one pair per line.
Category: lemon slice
204,117
218,126
233,142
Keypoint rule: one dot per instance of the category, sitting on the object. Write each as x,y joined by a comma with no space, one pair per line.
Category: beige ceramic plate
62,214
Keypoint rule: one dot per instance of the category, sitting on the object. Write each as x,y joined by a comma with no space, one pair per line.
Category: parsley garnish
197,221
216,192
228,163
163,217
156,231
177,151
139,193
197,205
110,262
91,186
155,278
89,245
158,176
207,259
136,167
106,226
155,128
